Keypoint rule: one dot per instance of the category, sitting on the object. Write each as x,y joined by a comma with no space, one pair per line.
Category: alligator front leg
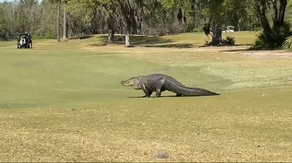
147,93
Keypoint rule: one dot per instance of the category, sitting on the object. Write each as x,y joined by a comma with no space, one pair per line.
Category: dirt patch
243,50
269,54
236,51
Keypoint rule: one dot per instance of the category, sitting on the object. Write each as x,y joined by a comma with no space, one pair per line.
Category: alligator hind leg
158,92
178,95
159,86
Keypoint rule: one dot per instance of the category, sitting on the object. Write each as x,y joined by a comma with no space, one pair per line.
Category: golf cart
228,29
24,40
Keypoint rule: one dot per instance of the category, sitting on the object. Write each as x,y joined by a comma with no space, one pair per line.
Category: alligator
160,82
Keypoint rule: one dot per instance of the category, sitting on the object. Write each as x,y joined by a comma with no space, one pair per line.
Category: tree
3,25
221,13
58,2
279,13
128,15
111,9
215,12
104,11
274,33
240,13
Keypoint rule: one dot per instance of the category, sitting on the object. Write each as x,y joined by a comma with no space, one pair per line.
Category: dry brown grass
206,129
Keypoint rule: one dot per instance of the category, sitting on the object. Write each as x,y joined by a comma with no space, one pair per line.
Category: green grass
64,102
198,39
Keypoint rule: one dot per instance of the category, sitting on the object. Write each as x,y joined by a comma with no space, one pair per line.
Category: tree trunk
127,16
67,29
261,10
111,36
121,27
58,20
64,24
283,5
275,9
132,17
217,36
128,41
139,26
111,27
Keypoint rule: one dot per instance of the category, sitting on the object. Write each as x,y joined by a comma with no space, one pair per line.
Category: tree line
68,18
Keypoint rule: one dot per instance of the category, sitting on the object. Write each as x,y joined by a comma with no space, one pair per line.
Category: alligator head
134,82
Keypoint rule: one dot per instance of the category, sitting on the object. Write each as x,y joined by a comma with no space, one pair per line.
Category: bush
3,37
287,43
195,30
189,27
275,39
49,35
228,41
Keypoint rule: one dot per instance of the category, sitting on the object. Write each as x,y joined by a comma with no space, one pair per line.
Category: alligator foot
145,96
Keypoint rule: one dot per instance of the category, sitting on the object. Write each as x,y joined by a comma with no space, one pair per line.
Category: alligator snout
122,82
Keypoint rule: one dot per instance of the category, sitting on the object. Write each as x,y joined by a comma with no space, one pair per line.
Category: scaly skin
160,82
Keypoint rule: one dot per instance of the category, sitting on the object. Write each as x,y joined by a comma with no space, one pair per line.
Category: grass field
64,102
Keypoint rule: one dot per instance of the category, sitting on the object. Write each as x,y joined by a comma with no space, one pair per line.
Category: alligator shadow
171,96
152,96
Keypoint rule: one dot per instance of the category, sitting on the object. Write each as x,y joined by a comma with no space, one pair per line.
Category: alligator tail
187,91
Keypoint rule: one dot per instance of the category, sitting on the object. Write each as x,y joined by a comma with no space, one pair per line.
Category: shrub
195,30
287,43
228,41
273,40
189,27
49,35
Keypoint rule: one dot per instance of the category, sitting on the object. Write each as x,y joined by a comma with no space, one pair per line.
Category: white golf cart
228,29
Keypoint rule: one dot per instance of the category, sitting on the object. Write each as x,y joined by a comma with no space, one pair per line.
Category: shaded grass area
64,102
184,40
149,41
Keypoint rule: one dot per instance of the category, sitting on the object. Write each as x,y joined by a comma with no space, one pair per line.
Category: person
207,31
30,40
